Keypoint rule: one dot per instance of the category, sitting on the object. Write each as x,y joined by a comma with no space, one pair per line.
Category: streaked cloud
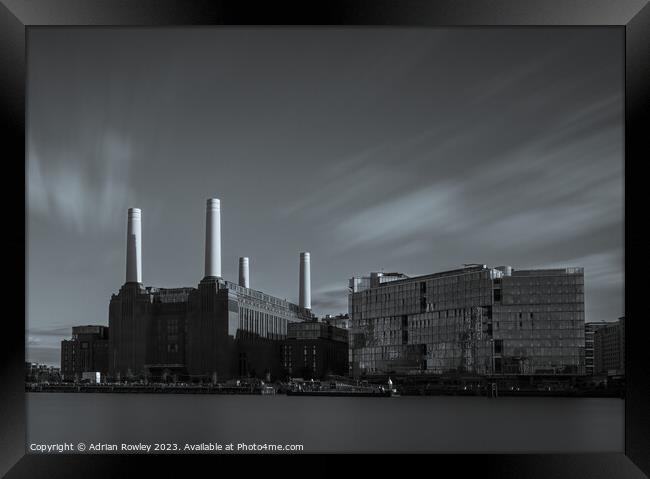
83,188
431,209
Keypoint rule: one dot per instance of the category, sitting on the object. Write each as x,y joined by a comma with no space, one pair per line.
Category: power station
215,331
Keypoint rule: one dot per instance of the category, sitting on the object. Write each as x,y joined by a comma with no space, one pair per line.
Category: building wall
541,321
609,348
475,320
590,331
218,330
167,339
314,350
68,359
87,351
129,320
342,321
429,324
314,358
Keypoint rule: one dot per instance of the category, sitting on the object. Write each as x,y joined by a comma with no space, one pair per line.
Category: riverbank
274,389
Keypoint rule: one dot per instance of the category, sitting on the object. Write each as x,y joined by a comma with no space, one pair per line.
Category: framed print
253,231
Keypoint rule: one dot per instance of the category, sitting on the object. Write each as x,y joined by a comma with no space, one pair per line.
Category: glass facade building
474,320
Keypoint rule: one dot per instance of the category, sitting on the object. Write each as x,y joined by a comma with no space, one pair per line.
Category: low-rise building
314,350
86,351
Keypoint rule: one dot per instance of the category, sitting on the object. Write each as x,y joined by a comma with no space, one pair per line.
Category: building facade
219,330
609,349
315,350
341,321
590,332
86,351
216,331
474,320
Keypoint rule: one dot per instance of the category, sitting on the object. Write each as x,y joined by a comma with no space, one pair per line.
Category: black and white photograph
327,239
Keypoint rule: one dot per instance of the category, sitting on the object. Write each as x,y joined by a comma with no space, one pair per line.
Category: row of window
261,323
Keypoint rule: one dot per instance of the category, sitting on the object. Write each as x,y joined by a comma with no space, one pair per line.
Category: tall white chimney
244,279
134,246
305,281
213,238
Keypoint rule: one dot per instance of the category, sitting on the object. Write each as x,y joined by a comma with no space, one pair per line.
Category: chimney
305,281
213,238
243,272
134,246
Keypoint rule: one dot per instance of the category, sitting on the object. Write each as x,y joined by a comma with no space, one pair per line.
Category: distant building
39,373
473,320
87,351
590,331
609,349
314,349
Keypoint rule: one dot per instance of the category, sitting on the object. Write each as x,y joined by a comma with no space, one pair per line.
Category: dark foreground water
418,424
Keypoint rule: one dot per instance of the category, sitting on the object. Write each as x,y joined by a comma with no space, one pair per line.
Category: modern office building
590,331
474,320
216,331
609,349
314,350
86,351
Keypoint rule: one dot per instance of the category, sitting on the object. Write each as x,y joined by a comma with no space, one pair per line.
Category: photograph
325,239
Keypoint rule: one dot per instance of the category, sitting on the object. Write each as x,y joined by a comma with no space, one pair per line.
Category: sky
397,149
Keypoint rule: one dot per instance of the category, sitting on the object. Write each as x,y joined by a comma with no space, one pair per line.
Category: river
400,424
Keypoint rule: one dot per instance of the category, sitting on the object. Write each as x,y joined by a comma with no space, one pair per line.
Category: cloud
50,356
47,338
603,270
86,190
330,299
430,209
604,283
60,331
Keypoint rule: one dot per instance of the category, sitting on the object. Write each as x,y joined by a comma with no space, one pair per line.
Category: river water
401,424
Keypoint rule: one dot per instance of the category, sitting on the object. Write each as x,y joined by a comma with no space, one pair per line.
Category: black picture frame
17,16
